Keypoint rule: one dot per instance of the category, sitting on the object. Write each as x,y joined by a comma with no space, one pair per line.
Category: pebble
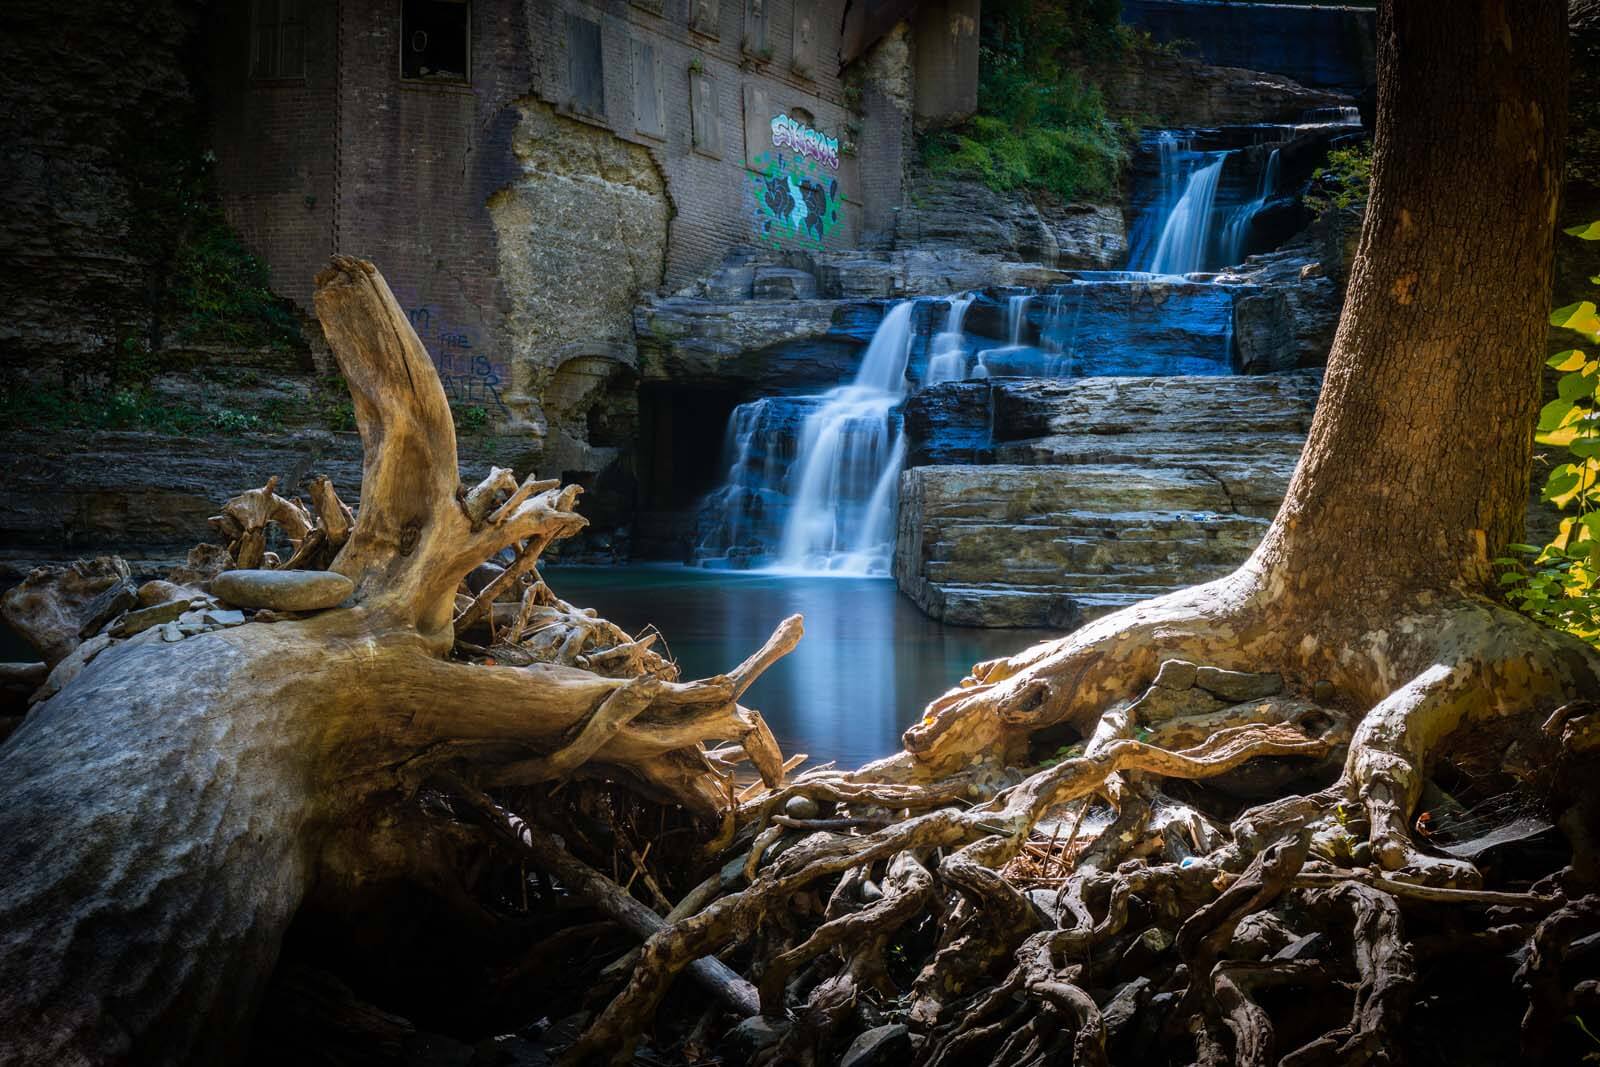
282,590
801,807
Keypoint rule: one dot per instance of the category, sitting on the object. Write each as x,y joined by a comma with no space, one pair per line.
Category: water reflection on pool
868,664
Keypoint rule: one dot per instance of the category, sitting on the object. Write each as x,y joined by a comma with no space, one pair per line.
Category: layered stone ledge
1080,497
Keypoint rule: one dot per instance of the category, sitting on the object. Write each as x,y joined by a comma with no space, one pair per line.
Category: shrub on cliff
1037,126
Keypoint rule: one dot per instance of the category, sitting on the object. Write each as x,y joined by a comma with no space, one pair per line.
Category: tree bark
1415,473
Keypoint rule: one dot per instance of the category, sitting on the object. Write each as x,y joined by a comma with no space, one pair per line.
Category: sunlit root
1330,848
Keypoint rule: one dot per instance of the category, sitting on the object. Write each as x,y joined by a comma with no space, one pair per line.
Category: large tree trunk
162,817
1415,473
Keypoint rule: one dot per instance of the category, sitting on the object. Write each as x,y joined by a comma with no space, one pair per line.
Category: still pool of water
868,664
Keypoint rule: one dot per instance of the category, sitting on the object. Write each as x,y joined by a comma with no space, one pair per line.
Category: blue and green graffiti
795,201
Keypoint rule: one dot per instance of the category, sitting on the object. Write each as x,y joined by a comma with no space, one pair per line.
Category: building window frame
465,80
576,104
278,70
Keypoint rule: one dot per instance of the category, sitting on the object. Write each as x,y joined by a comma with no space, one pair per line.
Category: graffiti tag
805,141
469,376
794,202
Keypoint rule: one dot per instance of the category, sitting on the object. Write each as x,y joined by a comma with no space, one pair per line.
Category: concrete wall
1323,47
946,44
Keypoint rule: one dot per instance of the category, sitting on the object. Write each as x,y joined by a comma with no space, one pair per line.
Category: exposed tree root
1298,893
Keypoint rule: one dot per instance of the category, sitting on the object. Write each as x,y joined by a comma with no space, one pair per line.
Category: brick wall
418,163
274,145
712,196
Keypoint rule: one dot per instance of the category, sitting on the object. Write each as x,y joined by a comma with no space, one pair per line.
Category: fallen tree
165,813
1148,840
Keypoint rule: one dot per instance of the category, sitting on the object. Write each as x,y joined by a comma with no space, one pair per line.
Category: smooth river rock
282,590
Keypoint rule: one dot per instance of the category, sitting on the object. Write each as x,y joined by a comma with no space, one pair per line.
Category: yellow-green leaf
1589,231
1570,360
1558,413
1579,317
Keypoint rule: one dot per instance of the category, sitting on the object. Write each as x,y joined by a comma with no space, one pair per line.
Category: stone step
1217,407
1013,493
961,604
1170,575
1148,447
1034,544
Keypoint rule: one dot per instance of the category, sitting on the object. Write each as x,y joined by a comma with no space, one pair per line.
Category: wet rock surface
1091,494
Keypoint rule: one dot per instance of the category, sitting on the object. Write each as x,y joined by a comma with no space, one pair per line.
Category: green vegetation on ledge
25,407
1038,126
1344,181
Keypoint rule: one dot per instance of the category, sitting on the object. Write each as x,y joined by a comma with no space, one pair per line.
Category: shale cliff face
91,133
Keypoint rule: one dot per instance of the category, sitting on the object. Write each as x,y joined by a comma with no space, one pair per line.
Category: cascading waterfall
811,479
947,356
1237,230
738,512
1016,318
1182,247
848,464
1332,116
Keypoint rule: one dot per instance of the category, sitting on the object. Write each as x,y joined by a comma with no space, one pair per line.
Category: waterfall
1182,248
1334,116
1060,336
747,511
1236,233
847,464
947,356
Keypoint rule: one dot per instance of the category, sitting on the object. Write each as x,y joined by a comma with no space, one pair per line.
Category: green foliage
27,407
218,292
1065,752
469,418
1038,126
1344,181
202,285
333,404
1556,583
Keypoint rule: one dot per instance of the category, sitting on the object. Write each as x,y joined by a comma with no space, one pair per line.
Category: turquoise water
868,664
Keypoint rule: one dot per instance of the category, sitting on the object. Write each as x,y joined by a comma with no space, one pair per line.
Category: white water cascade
1016,318
947,356
847,465
1182,247
1236,232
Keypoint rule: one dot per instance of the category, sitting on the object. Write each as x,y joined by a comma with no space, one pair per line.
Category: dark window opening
435,40
585,73
277,40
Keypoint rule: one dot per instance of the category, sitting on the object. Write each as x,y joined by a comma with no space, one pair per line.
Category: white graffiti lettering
805,141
